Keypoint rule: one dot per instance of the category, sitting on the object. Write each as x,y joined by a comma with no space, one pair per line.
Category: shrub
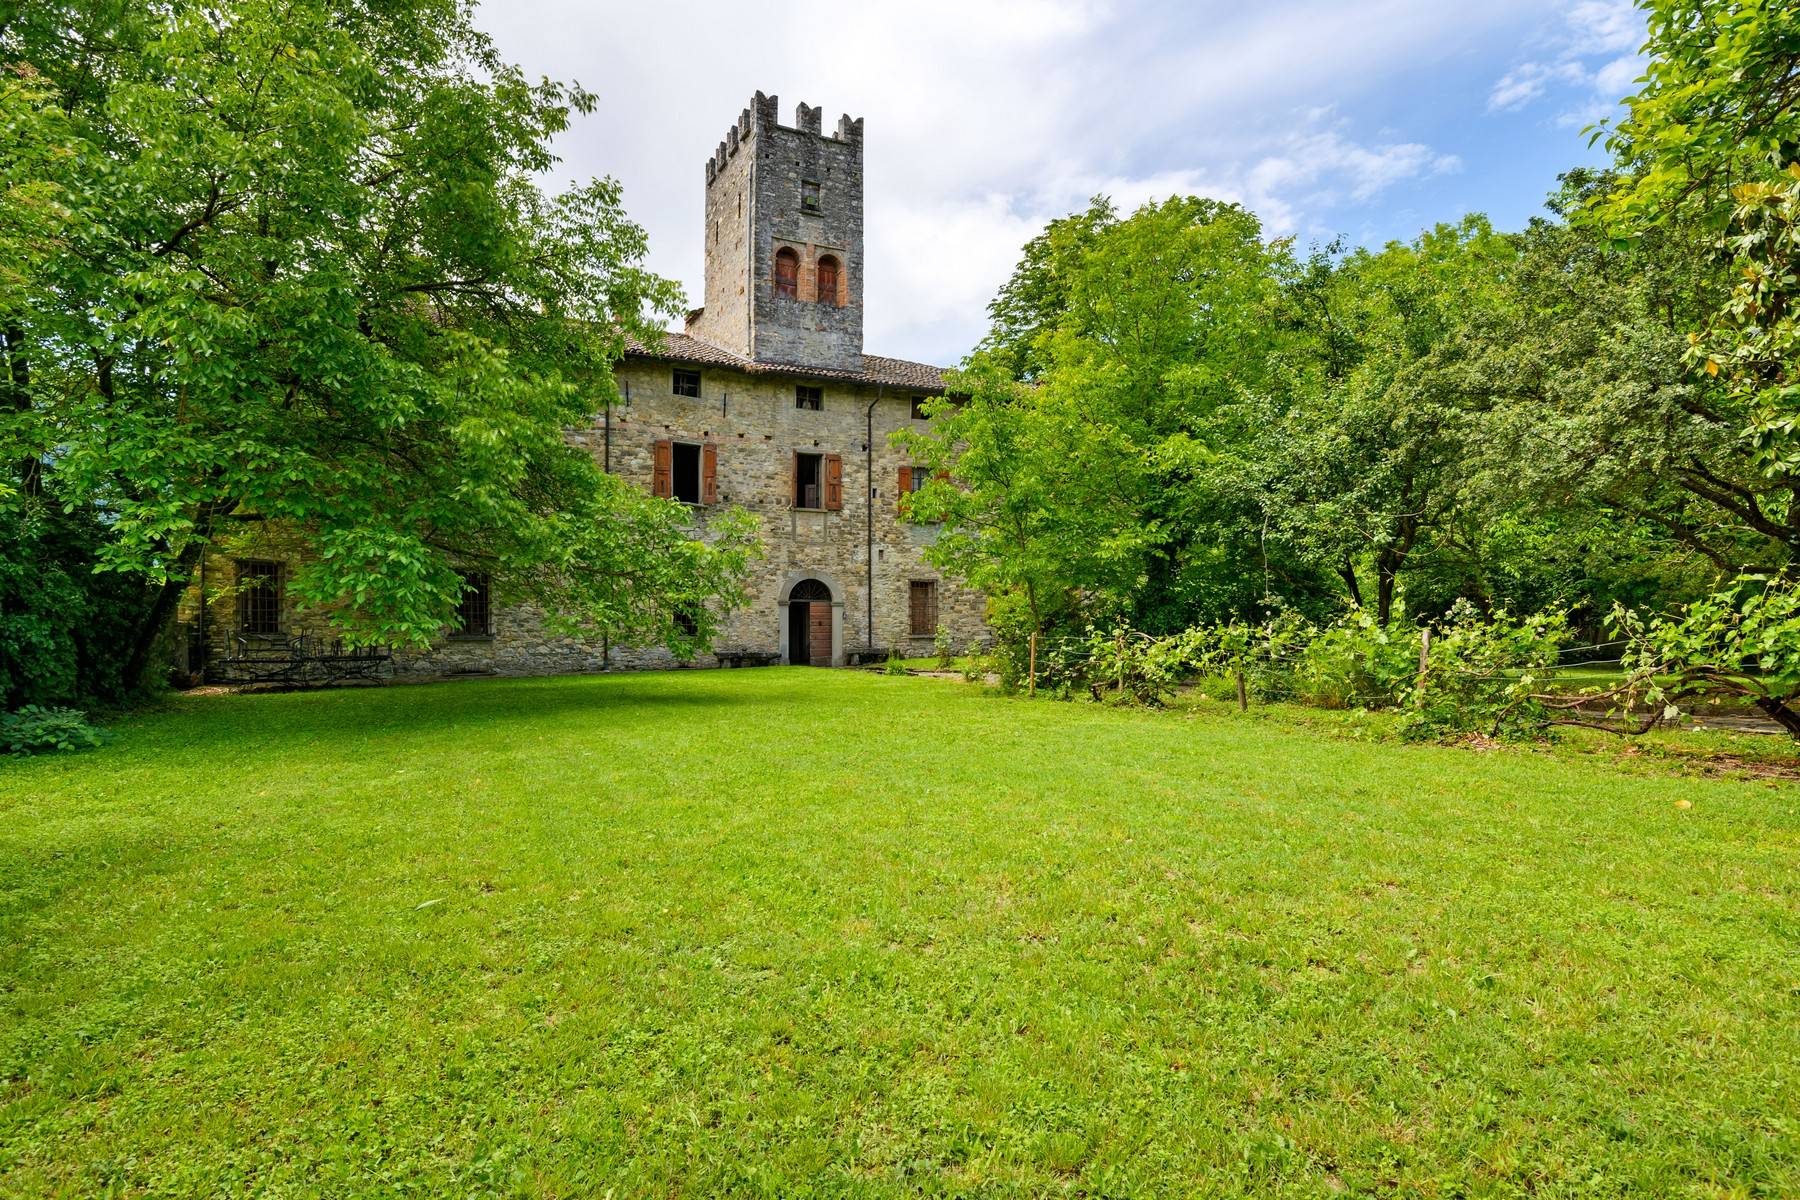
945,648
1485,675
38,730
894,666
1356,662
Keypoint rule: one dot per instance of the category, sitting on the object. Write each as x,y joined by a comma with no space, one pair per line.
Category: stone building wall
756,426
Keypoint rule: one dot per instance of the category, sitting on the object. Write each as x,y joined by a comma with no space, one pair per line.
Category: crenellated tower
784,240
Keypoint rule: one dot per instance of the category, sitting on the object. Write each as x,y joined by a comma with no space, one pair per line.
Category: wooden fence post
1424,662
1243,696
1031,669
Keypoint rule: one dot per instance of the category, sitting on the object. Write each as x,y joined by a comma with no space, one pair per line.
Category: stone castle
766,402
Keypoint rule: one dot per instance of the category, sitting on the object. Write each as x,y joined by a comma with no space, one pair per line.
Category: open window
809,195
808,397
918,407
474,611
819,481
787,273
686,471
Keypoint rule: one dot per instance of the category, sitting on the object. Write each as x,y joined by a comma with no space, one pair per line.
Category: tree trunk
1778,711
1387,574
1347,570
17,385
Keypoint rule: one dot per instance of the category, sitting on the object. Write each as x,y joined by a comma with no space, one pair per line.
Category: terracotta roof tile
876,369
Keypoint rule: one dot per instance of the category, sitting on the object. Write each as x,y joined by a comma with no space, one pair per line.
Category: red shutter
834,482
905,487
662,470
709,473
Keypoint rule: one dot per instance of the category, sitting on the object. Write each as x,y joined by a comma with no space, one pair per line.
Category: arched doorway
809,624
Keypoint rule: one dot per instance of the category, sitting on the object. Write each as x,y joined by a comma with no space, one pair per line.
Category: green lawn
792,932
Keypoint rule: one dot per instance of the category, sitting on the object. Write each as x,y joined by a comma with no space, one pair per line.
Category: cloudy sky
1368,119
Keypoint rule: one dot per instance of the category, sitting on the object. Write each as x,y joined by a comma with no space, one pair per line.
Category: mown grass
793,932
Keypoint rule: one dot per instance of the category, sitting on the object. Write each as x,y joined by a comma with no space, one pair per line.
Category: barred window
474,612
809,397
687,383
259,596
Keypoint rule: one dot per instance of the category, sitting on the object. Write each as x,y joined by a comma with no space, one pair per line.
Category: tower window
687,383
808,397
828,280
787,273
809,195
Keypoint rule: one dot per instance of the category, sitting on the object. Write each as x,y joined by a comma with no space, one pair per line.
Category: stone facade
785,396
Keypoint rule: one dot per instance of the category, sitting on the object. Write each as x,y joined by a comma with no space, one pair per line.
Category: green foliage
1742,641
895,665
61,624
306,274
943,645
1485,674
38,730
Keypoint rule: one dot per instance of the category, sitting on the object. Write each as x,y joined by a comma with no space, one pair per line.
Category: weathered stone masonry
783,312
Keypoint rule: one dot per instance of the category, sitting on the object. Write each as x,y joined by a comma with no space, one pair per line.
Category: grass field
794,932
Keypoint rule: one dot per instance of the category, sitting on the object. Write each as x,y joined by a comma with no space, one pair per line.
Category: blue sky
1370,119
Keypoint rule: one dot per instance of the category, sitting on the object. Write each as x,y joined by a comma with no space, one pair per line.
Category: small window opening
687,383
922,607
808,397
686,621
685,472
787,273
917,478
828,280
809,195
807,470
474,611
918,408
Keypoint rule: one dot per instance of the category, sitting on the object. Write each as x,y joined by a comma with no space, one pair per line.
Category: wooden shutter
834,481
709,473
905,487
662,470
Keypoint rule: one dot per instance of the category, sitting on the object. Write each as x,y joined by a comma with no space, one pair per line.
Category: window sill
471,637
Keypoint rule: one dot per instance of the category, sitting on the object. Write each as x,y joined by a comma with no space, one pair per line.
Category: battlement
763,113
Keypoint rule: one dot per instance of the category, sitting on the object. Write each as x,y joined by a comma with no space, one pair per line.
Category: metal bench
303,661
747,658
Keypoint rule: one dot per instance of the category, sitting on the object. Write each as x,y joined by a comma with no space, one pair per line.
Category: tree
304,275
1366,466
1088,489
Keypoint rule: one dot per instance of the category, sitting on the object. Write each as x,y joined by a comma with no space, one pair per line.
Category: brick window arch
787,273
828,279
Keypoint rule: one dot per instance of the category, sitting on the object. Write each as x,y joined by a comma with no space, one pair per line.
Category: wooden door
821,634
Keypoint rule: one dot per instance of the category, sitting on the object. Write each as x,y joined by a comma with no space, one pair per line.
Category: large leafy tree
1084,462
302,273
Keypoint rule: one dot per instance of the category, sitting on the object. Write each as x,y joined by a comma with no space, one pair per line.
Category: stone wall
757,428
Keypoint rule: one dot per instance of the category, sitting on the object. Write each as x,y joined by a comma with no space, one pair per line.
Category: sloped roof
876,369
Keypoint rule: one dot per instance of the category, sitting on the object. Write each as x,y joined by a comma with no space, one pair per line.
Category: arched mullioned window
787,273
828,280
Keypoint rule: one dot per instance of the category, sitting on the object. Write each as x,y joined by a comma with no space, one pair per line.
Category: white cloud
987,118
1591,29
